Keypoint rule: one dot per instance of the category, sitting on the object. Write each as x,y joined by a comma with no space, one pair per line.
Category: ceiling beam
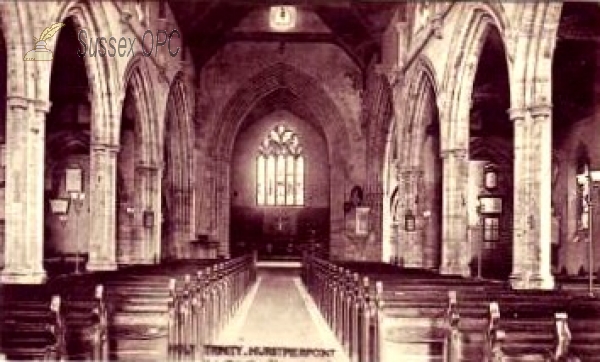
281,37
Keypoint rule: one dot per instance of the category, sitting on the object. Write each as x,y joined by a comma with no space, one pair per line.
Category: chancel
364,181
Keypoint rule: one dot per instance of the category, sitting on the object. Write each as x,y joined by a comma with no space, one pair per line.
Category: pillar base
101,266
455,269
22,277
532,281
146,261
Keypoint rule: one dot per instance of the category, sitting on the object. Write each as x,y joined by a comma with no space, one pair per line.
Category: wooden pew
415,312
202,307
26,324
138,300
44,322
169,312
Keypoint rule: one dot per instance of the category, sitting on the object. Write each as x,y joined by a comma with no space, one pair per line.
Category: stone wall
243,163
240,71
573,249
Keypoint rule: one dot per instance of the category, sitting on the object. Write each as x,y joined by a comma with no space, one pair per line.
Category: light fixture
490,177
60,208
410,222
282,17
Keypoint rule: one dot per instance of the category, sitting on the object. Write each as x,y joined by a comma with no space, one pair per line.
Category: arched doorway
491,163
67,173
279,183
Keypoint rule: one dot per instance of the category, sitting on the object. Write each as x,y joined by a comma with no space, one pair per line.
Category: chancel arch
302,95
177,200
279,185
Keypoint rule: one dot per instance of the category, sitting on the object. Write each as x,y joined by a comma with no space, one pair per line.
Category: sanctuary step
412,308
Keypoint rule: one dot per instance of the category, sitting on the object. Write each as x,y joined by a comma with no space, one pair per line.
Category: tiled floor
279,313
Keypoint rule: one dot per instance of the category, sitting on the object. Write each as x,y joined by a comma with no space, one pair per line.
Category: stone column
24,243
223,206
181,221
455,243
103,201
145,246
411,252
532,198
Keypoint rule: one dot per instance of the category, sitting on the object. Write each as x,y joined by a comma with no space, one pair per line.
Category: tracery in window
280,169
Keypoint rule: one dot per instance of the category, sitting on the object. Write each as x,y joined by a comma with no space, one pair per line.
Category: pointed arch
102,71
457,84
269,80
422,96
14,17
306,95
137,75
178,170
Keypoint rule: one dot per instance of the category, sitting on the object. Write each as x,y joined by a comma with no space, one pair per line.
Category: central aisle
278,312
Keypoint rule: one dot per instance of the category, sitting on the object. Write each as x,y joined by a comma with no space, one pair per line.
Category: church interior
361,181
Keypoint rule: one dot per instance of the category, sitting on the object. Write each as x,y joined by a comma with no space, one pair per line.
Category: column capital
436,23
516,114
400,26
460,153
410,171
393,74
18,102
142,166
42,105
540,110
105,147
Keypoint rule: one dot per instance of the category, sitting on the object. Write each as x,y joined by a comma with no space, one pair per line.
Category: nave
243,309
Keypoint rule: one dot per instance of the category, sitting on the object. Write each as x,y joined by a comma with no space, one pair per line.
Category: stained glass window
280,169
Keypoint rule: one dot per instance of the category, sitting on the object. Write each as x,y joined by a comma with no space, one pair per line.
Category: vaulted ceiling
355,26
